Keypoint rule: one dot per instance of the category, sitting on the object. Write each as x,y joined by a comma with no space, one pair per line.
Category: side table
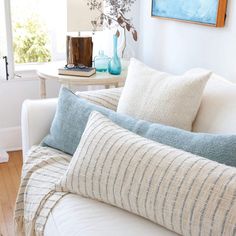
50,72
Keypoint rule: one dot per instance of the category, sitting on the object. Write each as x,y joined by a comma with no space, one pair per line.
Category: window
36,31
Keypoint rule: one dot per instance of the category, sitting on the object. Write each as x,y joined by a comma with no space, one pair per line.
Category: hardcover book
77,71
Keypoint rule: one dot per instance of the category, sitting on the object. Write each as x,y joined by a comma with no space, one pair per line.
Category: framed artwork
208,12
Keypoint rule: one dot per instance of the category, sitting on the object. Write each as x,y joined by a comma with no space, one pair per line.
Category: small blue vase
114,66
101,62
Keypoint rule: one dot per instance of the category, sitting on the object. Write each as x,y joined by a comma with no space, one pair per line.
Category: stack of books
77,71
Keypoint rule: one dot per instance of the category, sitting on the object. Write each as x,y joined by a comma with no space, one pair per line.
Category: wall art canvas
210,12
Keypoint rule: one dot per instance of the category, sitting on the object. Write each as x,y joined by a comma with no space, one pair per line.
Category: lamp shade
80,17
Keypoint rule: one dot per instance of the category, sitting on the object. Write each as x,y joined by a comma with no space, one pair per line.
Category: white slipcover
75,215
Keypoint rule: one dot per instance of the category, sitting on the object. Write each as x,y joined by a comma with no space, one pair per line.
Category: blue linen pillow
73,112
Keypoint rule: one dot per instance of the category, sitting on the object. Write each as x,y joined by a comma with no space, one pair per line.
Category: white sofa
75,215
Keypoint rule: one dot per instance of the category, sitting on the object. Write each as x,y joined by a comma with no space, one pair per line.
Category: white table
50,72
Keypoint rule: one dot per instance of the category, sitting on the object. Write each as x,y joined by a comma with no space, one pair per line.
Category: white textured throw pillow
180,191
159,97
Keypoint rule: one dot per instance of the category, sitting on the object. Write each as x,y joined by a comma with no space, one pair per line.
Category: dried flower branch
115,14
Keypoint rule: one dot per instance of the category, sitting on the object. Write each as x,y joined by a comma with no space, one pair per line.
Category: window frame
9,37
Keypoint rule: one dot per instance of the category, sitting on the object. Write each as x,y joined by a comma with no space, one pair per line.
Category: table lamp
80,19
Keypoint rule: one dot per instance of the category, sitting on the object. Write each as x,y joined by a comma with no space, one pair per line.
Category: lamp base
79,50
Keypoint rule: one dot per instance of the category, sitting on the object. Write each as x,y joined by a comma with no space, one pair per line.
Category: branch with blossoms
115,14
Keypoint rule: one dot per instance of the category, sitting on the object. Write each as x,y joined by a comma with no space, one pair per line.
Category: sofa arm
36,119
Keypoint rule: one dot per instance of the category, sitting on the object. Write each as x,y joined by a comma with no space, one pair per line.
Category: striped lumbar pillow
183,192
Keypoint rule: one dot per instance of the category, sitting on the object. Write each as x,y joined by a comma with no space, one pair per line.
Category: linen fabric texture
162,98
36,196
185,193
72,116
108,98
217,113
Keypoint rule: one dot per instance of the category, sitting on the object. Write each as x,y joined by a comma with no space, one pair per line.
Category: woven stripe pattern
37,197
108,98
178,190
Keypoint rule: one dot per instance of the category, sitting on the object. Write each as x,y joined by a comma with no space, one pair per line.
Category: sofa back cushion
217,113
178,190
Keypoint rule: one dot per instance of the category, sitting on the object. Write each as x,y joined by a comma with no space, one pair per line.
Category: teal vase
101,62
114,66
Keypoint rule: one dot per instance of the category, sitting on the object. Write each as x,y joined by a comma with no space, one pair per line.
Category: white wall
175,46
12,95
132,46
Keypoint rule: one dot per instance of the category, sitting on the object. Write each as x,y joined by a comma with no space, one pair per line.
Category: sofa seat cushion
75,215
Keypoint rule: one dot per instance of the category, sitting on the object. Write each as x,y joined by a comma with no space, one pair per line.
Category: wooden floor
9,183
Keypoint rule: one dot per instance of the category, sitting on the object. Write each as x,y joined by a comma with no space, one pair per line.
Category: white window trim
9,37
28,70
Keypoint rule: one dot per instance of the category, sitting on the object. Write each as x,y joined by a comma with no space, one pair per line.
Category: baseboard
10,138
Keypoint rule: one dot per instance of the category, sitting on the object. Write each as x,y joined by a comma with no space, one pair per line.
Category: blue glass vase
101,62
114,66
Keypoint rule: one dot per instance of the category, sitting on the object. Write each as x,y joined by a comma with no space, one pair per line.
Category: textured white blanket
36,196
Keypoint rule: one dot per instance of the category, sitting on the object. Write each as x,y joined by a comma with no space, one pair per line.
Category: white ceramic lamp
80,17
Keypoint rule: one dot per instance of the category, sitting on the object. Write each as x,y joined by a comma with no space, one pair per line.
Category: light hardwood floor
9,183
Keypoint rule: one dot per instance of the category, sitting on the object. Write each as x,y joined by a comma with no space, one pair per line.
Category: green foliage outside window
30,42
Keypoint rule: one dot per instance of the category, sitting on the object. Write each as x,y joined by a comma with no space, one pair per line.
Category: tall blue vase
114,66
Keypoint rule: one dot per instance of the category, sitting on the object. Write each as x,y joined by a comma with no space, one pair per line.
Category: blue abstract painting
201,11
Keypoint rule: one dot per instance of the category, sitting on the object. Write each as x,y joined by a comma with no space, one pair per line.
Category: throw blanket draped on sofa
36,196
